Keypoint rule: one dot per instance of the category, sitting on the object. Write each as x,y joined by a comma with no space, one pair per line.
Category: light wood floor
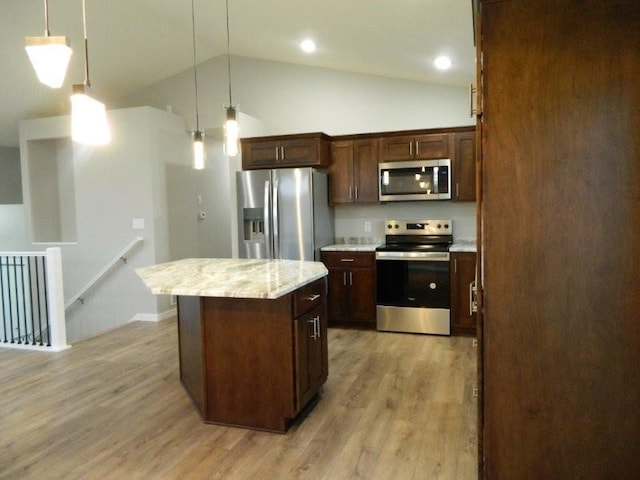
395,406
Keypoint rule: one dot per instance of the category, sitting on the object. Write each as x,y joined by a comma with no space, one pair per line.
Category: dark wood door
463,272
338,295
396,148
365,170
311,354
431,146
298,152
362,286
464,166
341,175
259,154
561,239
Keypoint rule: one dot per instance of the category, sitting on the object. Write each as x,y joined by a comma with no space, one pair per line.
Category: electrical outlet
367,226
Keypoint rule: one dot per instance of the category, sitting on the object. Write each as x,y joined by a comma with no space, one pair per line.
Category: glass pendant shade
231,132
89,124
198,150
50,58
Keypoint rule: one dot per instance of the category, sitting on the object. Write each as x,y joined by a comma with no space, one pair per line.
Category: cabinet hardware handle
417,149
313,298
281,153
472,91
344,278
277,154
350,278
350,192
473,301
411,149
347,260
313,326
317,321
457,189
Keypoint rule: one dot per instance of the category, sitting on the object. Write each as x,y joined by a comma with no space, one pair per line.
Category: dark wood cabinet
413,147
252,362
301,150
559,206
351,288
463,273
463,166
353,171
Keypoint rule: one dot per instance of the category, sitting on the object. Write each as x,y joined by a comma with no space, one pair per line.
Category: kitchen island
252,336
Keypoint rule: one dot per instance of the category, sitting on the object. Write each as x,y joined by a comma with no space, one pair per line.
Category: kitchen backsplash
365,223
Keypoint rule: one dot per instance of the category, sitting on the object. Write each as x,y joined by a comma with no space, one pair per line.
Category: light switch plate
137,223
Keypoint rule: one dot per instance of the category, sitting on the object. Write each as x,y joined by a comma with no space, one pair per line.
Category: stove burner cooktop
417,236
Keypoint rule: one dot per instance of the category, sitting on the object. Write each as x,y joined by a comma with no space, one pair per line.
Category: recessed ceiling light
308,46
442,62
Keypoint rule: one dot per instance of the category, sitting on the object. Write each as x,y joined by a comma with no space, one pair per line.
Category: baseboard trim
154,317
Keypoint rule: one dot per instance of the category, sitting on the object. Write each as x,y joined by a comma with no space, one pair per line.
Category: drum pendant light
49,55
198,135
88,116
231,130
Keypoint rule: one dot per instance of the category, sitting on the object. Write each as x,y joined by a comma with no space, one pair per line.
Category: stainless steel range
412,275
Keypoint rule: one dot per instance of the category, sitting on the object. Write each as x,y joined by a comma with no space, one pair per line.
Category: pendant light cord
46,18
86,45
228,55
195,72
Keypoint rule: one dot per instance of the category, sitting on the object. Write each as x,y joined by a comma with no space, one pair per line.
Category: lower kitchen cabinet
463,273
352,288
311,357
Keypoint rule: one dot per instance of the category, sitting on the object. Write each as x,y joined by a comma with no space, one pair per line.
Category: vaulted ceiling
135,43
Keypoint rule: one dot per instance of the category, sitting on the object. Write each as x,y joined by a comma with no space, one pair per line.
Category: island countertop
230,277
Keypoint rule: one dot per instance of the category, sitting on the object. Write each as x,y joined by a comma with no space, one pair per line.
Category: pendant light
231,129
198,135
49,55
88,116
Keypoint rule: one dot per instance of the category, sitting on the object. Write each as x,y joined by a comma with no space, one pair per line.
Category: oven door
412,293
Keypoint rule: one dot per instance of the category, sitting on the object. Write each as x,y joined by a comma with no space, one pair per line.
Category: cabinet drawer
309,297
348,259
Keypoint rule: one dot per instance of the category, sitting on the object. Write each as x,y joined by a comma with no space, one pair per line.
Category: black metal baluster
23,289
14,303
39,308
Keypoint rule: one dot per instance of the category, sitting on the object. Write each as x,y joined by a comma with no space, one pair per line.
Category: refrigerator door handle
276,239
267,221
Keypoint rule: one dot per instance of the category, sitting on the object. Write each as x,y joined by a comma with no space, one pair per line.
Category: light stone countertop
463,245
350,247
230,277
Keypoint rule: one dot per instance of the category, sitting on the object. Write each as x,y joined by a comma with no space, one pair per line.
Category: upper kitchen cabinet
414,147
300,150
463,160
353,171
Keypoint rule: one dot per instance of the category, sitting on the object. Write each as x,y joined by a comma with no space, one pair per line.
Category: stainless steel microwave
415,180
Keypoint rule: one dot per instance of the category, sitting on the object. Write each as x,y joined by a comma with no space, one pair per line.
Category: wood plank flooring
396,406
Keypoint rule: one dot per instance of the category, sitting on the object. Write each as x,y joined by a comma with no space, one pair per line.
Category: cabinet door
338,295
362,295
464,166
430,146
341,185
311,354
463,270
259,154
304,152
365,170
395,148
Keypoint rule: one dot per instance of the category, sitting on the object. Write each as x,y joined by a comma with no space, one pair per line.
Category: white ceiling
135,43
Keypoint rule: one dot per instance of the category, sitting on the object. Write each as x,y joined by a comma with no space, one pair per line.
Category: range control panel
418,227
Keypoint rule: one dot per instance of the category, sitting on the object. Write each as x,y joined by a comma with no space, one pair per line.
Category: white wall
294,99
13,228
113,185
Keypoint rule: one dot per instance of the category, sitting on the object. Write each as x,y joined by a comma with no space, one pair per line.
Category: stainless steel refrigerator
283,213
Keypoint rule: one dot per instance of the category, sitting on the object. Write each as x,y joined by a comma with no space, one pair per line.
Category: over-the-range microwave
415,180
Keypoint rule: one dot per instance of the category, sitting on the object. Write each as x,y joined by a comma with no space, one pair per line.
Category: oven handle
414,256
